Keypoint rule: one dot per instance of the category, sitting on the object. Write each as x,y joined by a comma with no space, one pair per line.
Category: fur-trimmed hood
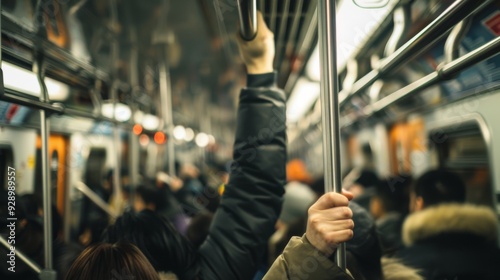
394,269
450,218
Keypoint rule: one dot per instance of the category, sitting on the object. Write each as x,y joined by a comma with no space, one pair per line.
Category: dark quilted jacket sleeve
252,200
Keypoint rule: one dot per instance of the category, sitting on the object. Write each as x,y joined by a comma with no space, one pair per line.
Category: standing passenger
446,238
252,199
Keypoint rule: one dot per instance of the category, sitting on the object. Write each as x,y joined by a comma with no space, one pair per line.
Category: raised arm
252,200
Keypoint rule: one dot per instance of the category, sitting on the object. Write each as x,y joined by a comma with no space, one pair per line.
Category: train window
6,160
462,149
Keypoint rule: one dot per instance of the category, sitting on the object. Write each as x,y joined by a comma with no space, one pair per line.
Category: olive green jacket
300,260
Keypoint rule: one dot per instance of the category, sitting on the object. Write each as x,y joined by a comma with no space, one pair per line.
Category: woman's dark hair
112,261
161,243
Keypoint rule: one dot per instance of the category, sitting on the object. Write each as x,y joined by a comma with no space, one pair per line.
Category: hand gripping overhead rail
248,18
416,45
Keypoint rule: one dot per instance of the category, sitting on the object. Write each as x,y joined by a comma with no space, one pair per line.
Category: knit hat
297,200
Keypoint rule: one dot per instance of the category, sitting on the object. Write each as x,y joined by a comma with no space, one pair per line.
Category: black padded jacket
252,200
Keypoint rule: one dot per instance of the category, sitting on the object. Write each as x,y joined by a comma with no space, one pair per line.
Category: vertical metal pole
1,35
166,102
116,149
114,97
47,196
330,104
134,139
1,71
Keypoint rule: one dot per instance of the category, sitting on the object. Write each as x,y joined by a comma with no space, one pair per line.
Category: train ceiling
126,41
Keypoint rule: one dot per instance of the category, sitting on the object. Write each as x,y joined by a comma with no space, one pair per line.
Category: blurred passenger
252,199
361,182
296,201
158,240
446,238
30,240
92,232
389,206
198,228
112,261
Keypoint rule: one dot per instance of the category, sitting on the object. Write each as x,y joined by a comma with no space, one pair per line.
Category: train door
399,149
463,148
6,161
58,149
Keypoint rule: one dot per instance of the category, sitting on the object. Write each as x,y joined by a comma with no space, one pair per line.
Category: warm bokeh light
144,140
137,129
160,137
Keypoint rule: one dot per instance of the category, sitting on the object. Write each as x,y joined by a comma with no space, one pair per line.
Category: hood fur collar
449,218
394,269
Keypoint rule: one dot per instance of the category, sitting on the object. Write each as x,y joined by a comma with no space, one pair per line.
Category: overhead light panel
189,135
303,96
122,111
150,122
202,140
22,80
179,132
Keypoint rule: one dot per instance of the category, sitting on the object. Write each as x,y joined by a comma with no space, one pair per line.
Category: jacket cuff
262,80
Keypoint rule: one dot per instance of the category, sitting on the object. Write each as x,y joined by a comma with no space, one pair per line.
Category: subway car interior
146,135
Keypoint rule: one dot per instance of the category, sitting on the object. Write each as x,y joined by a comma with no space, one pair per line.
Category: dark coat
389,232
452,241
252,200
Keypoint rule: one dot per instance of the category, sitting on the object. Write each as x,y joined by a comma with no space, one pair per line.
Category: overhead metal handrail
402,21
31,264
447,71
306,40
452,45
330,105
88,192
248,18
459,10
57,108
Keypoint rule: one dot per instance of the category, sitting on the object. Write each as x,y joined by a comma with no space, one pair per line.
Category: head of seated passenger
149,197
391,196
436,187
361,183
161,243
112,261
